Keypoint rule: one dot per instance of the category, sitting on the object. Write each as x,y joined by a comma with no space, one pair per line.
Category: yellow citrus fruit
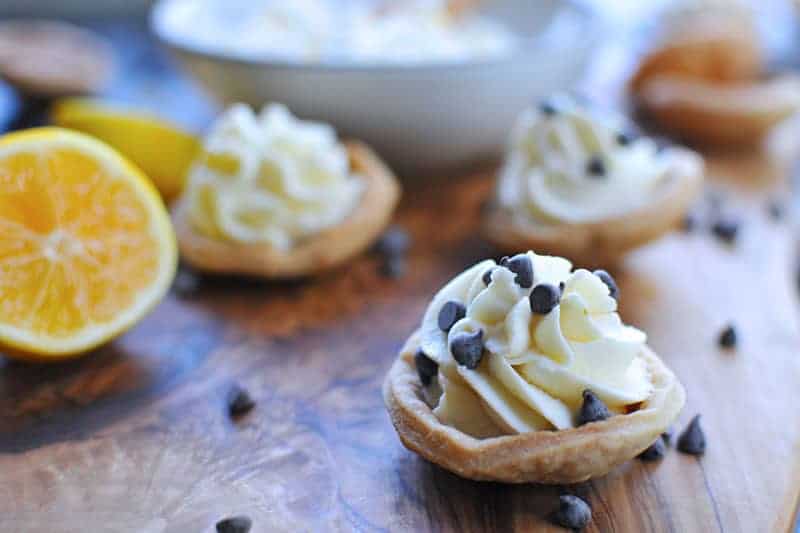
86,245
161,149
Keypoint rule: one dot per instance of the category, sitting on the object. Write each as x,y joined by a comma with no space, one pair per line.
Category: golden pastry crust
715,113
565,456
706,48
602,242
321,252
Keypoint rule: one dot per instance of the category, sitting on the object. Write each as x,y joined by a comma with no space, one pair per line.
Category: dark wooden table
135,437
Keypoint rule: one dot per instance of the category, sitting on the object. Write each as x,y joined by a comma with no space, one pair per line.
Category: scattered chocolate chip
596,166
186,283
393,267
427,368
394,241
624,138
561,287
655,451
239,401
726,229
522,266
606,278
451,313
544,298
667,437
727,337
776,209
689,222
467,349
547,108
692,440
572,513
235,524
593,409
487,277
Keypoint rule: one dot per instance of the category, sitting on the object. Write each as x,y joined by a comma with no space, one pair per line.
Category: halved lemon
86,245
161,149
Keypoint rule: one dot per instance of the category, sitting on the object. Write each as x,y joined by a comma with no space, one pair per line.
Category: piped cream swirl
270,179
534,367
570,163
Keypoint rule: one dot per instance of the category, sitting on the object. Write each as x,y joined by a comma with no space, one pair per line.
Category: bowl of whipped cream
430,84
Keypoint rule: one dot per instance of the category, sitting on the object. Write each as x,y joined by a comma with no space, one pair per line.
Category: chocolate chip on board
239,401
394,241
655,451
728,337
235,524
692,440
572,513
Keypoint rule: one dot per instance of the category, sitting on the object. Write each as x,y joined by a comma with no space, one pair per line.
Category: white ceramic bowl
430,116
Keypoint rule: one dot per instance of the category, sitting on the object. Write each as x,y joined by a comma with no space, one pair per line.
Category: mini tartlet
577,183
704,78
279,198
500,382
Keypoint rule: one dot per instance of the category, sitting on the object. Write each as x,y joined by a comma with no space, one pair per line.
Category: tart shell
553,457
321,252
602,242
719,114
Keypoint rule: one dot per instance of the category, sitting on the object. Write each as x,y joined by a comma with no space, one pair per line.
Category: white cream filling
535,367
271,179
547,176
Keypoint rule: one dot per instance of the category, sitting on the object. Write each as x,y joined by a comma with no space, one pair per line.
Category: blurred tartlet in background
277,197
704,78
578,182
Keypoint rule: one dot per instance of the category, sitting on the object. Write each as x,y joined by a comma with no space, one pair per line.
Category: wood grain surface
135,437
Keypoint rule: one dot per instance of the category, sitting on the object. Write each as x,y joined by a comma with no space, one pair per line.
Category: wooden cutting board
135,437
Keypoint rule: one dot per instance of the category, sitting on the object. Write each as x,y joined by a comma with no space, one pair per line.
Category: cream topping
270,179
570,163
534,367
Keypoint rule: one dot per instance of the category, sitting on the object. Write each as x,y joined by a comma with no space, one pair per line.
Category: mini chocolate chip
239,401
572,513
547,108
394,241
487,277
186,283
655,451
692,440
727,337
393,267
451,313
427,368
726,229
689,222
467,349
596,167
544,298
522,266
624,138
776,209
235,524
667,437
561,287
606,278
593,409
